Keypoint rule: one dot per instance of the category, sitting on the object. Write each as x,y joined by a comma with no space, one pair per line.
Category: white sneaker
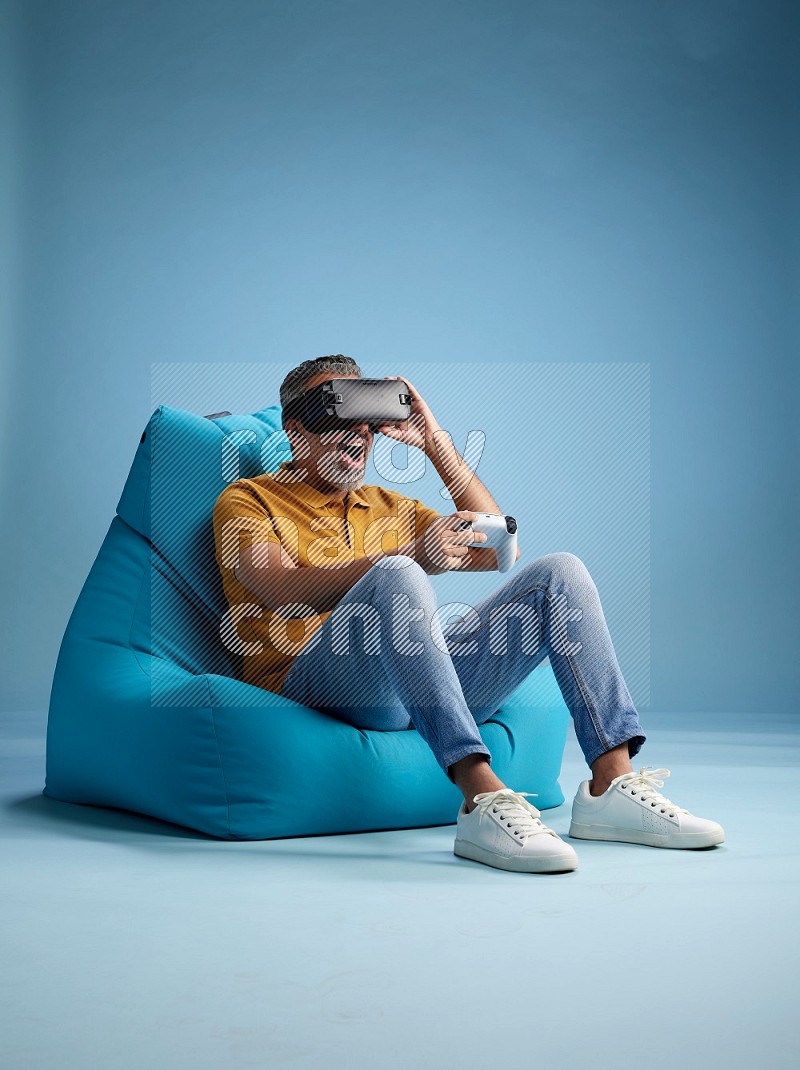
631,810
504,831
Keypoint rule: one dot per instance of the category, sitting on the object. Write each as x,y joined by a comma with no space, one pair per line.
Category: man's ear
298,441
294,432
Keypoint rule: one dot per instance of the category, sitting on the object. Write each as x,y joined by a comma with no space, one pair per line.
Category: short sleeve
240,519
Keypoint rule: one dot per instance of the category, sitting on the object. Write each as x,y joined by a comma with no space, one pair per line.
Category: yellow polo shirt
317,531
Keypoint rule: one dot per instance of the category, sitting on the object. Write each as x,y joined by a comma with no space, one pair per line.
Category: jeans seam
636,735
372,574
432,721
581,687
576,674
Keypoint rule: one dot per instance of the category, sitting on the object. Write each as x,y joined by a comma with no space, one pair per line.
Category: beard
335,469
346,477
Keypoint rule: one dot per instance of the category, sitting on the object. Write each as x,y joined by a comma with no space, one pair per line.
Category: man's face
338,457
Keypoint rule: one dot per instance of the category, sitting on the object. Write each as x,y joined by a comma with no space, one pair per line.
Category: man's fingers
459,562
451,563
466,536
457,550
449,555
460,519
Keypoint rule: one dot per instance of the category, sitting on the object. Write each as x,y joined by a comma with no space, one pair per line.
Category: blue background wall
441,181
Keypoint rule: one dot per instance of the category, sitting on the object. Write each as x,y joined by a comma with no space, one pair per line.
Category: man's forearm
320,588
467,490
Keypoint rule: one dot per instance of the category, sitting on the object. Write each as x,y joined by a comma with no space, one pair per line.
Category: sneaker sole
562,863
681,840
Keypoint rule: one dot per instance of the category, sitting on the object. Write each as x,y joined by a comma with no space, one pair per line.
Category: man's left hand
418,430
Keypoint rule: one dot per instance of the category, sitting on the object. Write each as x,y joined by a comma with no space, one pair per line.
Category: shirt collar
315,497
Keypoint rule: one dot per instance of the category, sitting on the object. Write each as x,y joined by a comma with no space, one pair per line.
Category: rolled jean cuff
634,746
473,748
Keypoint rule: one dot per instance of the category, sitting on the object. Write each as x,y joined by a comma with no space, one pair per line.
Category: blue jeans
408,670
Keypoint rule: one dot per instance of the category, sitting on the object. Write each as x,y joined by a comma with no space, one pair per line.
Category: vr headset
338,403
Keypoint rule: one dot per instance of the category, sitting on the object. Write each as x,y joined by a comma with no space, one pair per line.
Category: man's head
332,458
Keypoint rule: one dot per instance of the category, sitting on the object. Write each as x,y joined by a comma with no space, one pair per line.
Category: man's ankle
598,787
473,775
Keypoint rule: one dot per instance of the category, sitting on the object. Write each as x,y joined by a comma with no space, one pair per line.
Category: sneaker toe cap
545,846
702,826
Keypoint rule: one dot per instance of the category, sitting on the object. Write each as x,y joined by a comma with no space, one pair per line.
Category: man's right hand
443,546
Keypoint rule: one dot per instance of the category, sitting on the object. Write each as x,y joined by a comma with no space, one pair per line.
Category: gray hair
292,385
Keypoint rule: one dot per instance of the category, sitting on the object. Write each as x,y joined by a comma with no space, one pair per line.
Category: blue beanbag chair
148,711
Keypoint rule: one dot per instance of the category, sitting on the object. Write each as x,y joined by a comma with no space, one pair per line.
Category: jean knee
401,563
399,572
402,567
560,569
566,565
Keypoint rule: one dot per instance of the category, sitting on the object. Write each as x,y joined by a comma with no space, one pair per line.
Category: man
314,546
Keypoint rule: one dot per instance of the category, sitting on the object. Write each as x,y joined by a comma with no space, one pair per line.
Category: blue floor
129,943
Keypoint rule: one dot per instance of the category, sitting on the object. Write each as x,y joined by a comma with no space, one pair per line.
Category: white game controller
501,535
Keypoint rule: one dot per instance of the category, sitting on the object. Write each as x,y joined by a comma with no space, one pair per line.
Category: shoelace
645,783
521,817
